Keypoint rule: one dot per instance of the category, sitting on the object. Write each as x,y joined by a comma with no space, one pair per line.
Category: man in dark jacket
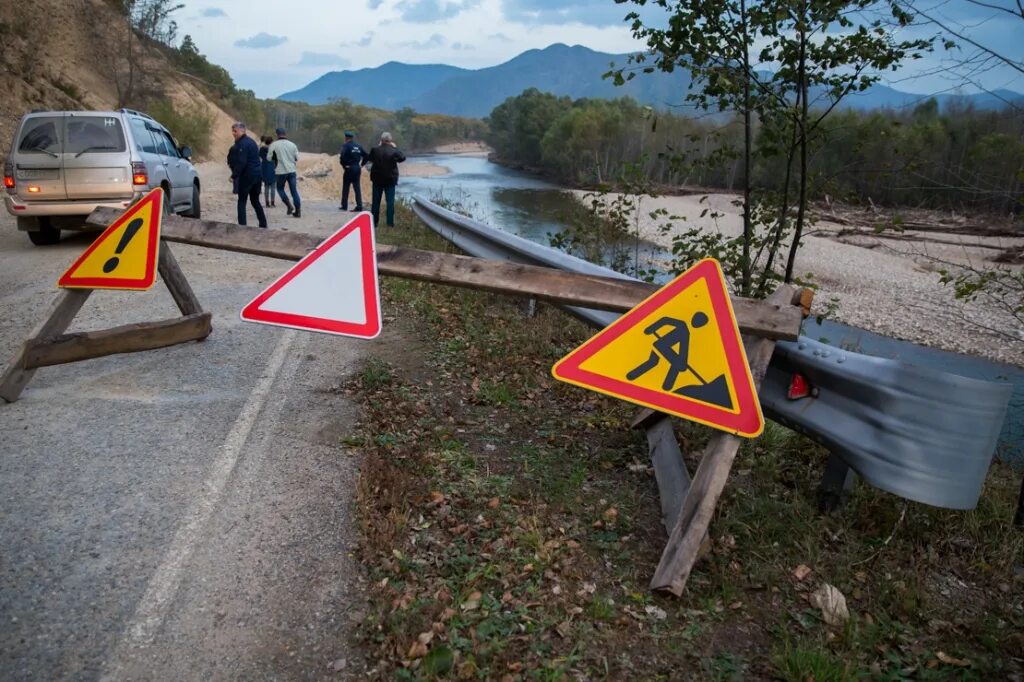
352,158
246,173
384,158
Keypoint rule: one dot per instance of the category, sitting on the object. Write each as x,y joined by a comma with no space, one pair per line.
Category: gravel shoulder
891,288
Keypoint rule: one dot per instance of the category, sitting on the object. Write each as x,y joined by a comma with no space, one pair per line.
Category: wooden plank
758,318
698,508
177,284
669,469
125,339
59,315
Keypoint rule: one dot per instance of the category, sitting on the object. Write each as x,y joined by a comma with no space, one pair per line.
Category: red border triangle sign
125,254
679,351
333,289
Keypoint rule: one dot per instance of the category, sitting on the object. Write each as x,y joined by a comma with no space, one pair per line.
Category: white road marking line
155,603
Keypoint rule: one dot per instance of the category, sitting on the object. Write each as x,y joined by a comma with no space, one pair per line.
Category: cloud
374,4
499,37
362,42
564,12
436,40
322,59
261,41
462,46
213,13
429,11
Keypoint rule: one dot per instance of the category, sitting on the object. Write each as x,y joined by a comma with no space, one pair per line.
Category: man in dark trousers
352,157
244,159
384,158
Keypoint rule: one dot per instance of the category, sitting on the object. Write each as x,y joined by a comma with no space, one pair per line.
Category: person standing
384,158
352,157
285,156
244,158
269,177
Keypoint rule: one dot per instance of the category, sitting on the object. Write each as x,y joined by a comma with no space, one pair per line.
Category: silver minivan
63,164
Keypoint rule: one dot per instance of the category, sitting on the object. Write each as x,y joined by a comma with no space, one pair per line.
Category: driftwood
758,318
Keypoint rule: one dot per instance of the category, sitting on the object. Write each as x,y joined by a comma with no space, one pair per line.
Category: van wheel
43,233
196,210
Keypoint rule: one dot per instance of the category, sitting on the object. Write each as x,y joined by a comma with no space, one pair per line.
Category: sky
272,47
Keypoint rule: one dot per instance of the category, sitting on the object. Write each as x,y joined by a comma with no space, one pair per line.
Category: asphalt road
183,513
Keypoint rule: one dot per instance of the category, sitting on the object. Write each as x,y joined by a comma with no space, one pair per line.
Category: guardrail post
836,484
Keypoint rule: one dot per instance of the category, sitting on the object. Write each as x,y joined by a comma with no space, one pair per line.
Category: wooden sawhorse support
49,345
688,506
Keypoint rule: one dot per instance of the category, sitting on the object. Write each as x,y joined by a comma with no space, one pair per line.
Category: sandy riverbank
889,287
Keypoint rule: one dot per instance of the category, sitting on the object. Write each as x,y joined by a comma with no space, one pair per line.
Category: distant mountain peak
565,70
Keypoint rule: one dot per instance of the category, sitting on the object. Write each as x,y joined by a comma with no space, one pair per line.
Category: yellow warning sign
679,352
125,255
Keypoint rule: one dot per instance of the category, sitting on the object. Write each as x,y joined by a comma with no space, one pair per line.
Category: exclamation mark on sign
129,232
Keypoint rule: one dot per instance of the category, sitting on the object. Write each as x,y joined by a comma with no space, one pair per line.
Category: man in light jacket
285,156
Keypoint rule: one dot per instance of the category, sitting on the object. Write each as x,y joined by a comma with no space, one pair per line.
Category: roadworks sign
333,289
679,352
125,255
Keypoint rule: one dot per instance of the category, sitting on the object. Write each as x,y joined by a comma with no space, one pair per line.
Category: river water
523,204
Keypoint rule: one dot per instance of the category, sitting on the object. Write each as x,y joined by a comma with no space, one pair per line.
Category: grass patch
510,530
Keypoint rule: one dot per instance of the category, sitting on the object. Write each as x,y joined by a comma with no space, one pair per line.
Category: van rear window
97,134
41,134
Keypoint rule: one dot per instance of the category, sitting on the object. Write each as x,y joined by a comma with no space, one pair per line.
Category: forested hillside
962,157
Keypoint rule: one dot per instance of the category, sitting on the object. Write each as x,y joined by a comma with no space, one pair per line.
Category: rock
832,604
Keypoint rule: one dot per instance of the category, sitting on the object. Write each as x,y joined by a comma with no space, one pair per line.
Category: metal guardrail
925,435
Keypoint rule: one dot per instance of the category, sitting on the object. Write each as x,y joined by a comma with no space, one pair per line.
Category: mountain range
574,71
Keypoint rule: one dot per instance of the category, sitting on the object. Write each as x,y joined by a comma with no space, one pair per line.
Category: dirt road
182,513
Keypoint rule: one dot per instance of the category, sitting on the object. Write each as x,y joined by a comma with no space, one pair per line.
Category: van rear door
37,158
97,162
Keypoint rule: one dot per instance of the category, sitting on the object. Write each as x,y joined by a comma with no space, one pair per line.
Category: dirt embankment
78,54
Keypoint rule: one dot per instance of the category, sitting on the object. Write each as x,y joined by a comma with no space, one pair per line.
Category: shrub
191,125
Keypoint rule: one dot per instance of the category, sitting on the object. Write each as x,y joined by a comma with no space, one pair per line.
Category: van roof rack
137,113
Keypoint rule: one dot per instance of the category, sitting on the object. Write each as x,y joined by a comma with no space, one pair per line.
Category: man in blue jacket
244,159
352,157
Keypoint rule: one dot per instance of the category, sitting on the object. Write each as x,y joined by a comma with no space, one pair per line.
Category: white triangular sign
333,289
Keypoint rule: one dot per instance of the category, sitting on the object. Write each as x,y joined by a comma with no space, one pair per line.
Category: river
523,204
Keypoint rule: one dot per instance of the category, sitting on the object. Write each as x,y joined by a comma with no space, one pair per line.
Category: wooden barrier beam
757,318
129,338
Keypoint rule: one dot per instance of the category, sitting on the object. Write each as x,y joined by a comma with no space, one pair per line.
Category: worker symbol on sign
674,347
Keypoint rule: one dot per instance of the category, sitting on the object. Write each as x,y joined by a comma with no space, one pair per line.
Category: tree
821,48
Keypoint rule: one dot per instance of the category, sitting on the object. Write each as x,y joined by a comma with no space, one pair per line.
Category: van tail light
9,175
139,174
799,387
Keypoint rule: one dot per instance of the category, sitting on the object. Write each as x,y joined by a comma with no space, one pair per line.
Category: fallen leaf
426,637
493,503
515,667
801,571
832,604
417,650
436,497
564,629
611,513
949,660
